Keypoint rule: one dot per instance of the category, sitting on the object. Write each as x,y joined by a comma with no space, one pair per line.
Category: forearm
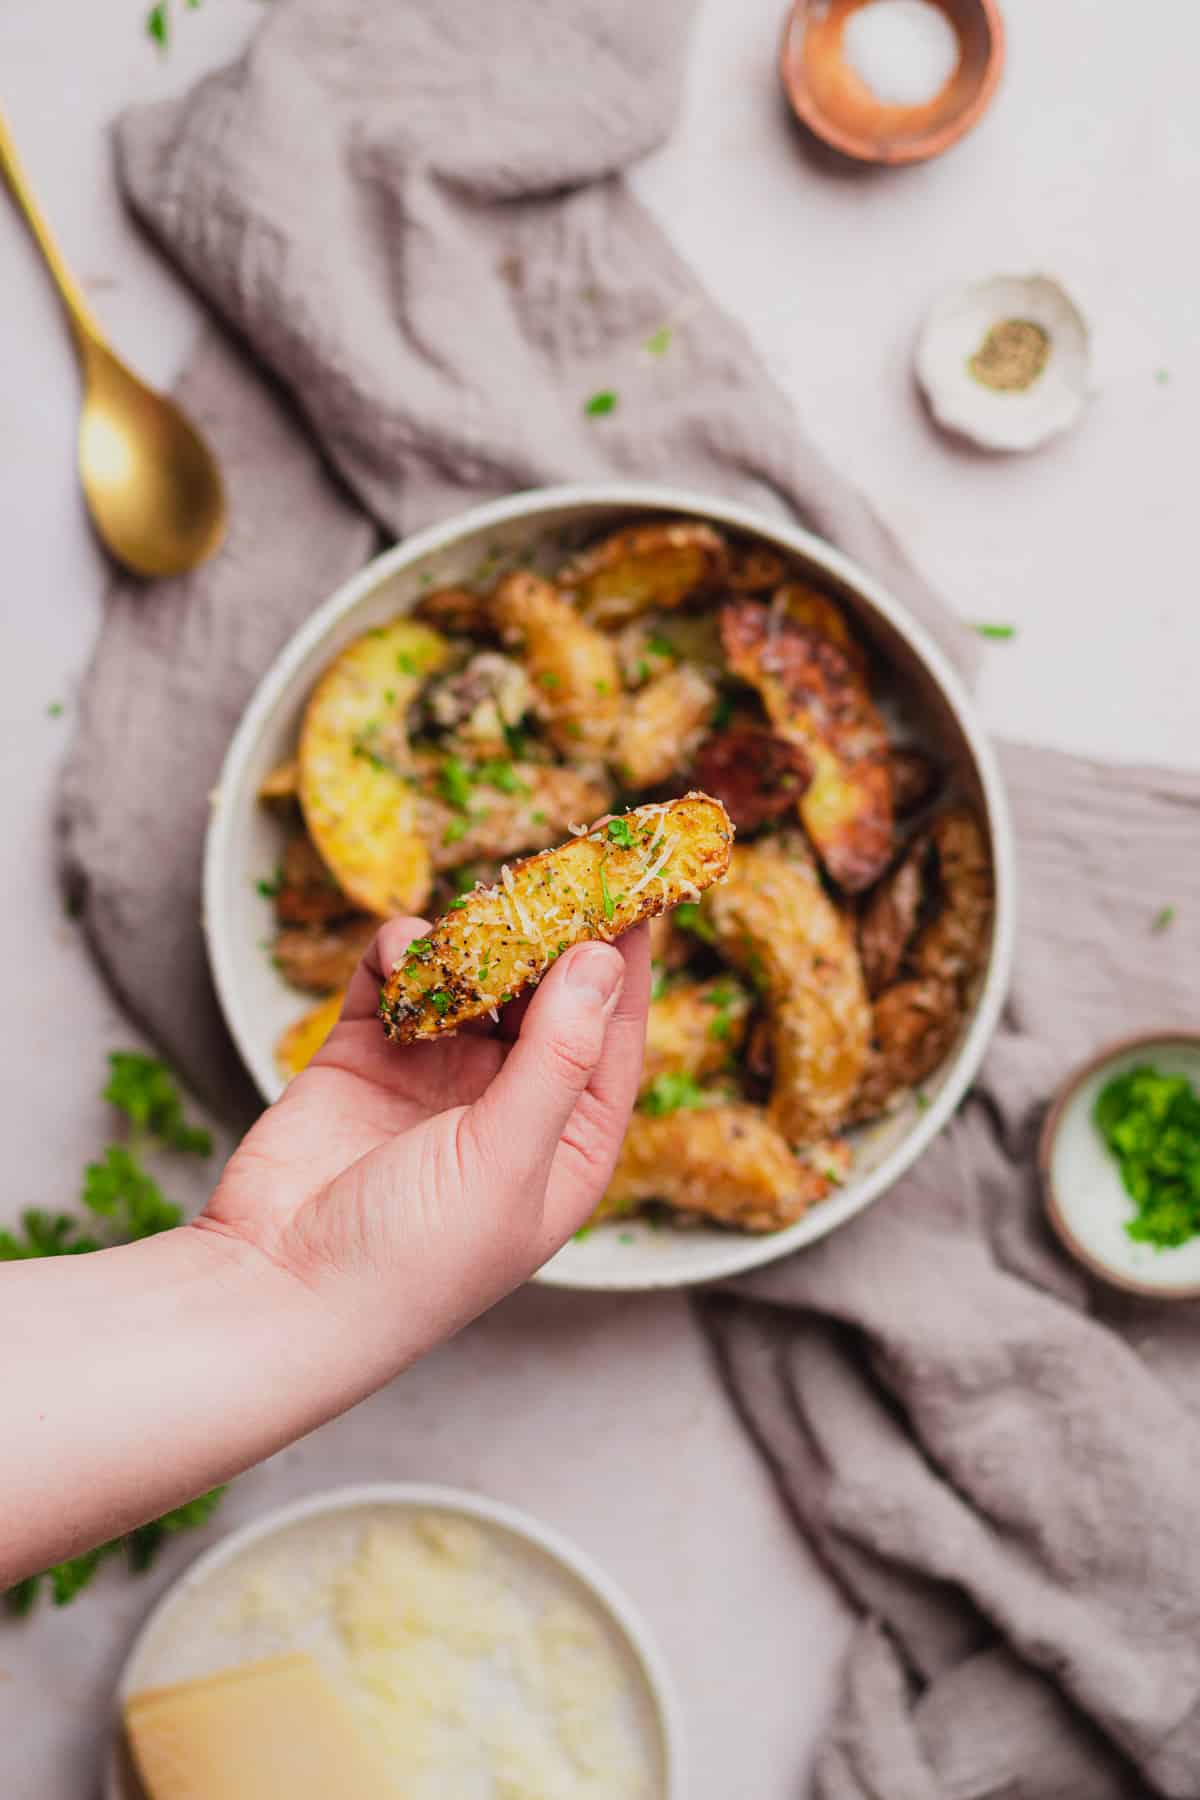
141,1376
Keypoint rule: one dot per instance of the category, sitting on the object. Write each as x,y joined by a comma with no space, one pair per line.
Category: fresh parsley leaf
146,1092
503,777
722,712
998,633
659,342
405,663
55,709
454,779
158,24
658,645
440,1001
119,1188
1163,919
606,898
620,833
689,918
1150,1122
269,885
455,831
671,1092
549,679
538,817
599,404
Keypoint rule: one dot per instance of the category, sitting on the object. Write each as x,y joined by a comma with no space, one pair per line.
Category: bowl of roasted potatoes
578,708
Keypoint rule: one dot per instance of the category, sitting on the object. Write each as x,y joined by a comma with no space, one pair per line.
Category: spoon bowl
151,483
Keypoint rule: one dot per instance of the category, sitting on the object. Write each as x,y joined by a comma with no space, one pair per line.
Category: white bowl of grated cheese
477,1651
924,697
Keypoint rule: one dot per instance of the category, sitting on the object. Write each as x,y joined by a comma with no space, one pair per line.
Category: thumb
516,1125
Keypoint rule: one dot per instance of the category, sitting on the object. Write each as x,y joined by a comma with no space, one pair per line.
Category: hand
417,1184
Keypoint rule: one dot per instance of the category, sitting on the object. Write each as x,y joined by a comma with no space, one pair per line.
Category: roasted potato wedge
725,1162
914,1024
812,610
756,775
316,958
953,945
360,805
456,610
889,915
573,668
499,940
645,566
307,893
815,697
915,779
661,726
774,921
301,1041
282,784
694,1028
753,569
537,806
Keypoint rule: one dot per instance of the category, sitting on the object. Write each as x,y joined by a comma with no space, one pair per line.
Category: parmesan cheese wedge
267,1728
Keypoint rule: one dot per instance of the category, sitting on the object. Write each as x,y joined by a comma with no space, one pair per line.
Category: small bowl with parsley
1120,1165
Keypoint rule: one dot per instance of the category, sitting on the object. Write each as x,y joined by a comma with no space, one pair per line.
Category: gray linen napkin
414,218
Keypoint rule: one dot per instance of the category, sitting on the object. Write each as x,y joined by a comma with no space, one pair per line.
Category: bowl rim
919,149
604,1590
1047,1137
739,1252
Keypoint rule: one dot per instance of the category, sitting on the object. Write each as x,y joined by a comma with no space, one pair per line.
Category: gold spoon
151,483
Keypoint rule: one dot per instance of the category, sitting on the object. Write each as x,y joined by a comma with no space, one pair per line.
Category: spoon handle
83,322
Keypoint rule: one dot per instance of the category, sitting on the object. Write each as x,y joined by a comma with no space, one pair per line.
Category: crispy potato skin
774,921
456,610
694,1028
301,1041
502,939
914,1024
757,775
360,809
573,668
725,1162
811,610
915,779
501,824
662,725
953,945
815,697
308,895
316,958
646,566
889,918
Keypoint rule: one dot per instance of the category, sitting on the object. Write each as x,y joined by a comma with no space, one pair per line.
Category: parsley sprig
122,1202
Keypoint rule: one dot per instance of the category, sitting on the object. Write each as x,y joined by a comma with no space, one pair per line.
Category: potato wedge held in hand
645,566
726,1162
773,919
815,697
498,940
359,802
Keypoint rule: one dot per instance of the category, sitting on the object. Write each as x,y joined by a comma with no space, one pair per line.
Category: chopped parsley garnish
502,776
620,833
454,779
599,404
505,998
126,1203
606,898
1163,919
389,695
368,755
672,1092
1162,376
421,946
463,879
483,971
658,645
1150,1122
439,999
626,1237
457,905
921,1100
584,1232
55,709
549,679
602,688
269,885
996,632
659,342
722,712
405,663
516,739
689,918
455,831
538,817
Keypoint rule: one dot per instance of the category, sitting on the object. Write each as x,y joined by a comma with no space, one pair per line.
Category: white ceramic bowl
198,1625
244,841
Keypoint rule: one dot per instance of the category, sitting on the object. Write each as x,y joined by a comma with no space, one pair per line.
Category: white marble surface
1087,166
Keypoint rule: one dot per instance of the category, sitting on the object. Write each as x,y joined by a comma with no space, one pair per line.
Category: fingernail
595,970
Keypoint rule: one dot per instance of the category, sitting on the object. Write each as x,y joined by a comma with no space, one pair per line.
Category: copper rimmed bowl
923,696
832,100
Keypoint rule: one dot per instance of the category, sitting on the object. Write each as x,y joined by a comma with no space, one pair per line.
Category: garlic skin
994,418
